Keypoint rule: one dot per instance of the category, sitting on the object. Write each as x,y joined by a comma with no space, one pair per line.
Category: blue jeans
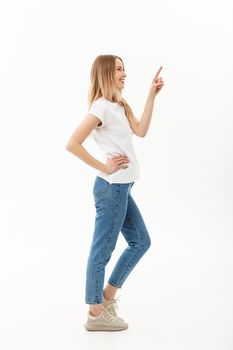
115,211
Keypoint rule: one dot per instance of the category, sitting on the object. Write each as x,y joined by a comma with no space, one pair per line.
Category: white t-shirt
114,137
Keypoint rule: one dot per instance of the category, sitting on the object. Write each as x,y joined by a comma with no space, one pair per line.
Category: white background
180,295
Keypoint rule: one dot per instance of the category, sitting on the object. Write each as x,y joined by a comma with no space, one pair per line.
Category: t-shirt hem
123,181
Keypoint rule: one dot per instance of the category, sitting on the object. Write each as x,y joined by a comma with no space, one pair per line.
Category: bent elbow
68,147
72,146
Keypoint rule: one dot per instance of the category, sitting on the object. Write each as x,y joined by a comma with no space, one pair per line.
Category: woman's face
119,74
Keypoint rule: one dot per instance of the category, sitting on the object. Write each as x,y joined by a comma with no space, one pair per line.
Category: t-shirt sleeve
98,109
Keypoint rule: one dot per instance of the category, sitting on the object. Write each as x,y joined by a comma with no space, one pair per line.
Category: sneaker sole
103,328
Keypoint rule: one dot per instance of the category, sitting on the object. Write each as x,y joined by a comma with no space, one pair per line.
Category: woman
112,123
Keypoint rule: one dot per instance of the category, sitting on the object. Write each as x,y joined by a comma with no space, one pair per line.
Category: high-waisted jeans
115,211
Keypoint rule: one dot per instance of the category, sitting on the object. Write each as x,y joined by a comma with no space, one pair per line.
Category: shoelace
108,316
112,307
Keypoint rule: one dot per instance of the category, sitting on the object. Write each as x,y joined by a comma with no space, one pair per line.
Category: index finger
157,74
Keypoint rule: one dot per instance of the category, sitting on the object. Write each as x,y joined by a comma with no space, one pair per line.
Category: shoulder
100,109
101,101
100,104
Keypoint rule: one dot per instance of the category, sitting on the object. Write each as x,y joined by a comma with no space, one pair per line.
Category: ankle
109,292
95,310
108,296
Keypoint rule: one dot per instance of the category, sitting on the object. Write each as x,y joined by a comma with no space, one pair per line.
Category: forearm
80,152
145,120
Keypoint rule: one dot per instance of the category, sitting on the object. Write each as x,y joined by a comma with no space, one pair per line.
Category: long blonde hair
102,82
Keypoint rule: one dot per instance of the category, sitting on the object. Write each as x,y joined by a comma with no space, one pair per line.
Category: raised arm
140,127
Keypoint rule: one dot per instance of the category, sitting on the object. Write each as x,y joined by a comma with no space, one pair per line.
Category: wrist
151,96
103,168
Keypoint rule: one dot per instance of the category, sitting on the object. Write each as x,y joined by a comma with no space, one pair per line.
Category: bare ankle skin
109,292
95,309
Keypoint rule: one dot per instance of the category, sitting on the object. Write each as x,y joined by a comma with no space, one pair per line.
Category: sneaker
105,322
110,306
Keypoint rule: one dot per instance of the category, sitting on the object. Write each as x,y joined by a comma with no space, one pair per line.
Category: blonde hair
102,82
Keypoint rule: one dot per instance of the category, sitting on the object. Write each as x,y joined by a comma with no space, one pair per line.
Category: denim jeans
115,211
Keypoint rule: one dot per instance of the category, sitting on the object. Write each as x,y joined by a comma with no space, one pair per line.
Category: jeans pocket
100,188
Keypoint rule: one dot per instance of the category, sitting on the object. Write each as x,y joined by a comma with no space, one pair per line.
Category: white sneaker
110,306
105,322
